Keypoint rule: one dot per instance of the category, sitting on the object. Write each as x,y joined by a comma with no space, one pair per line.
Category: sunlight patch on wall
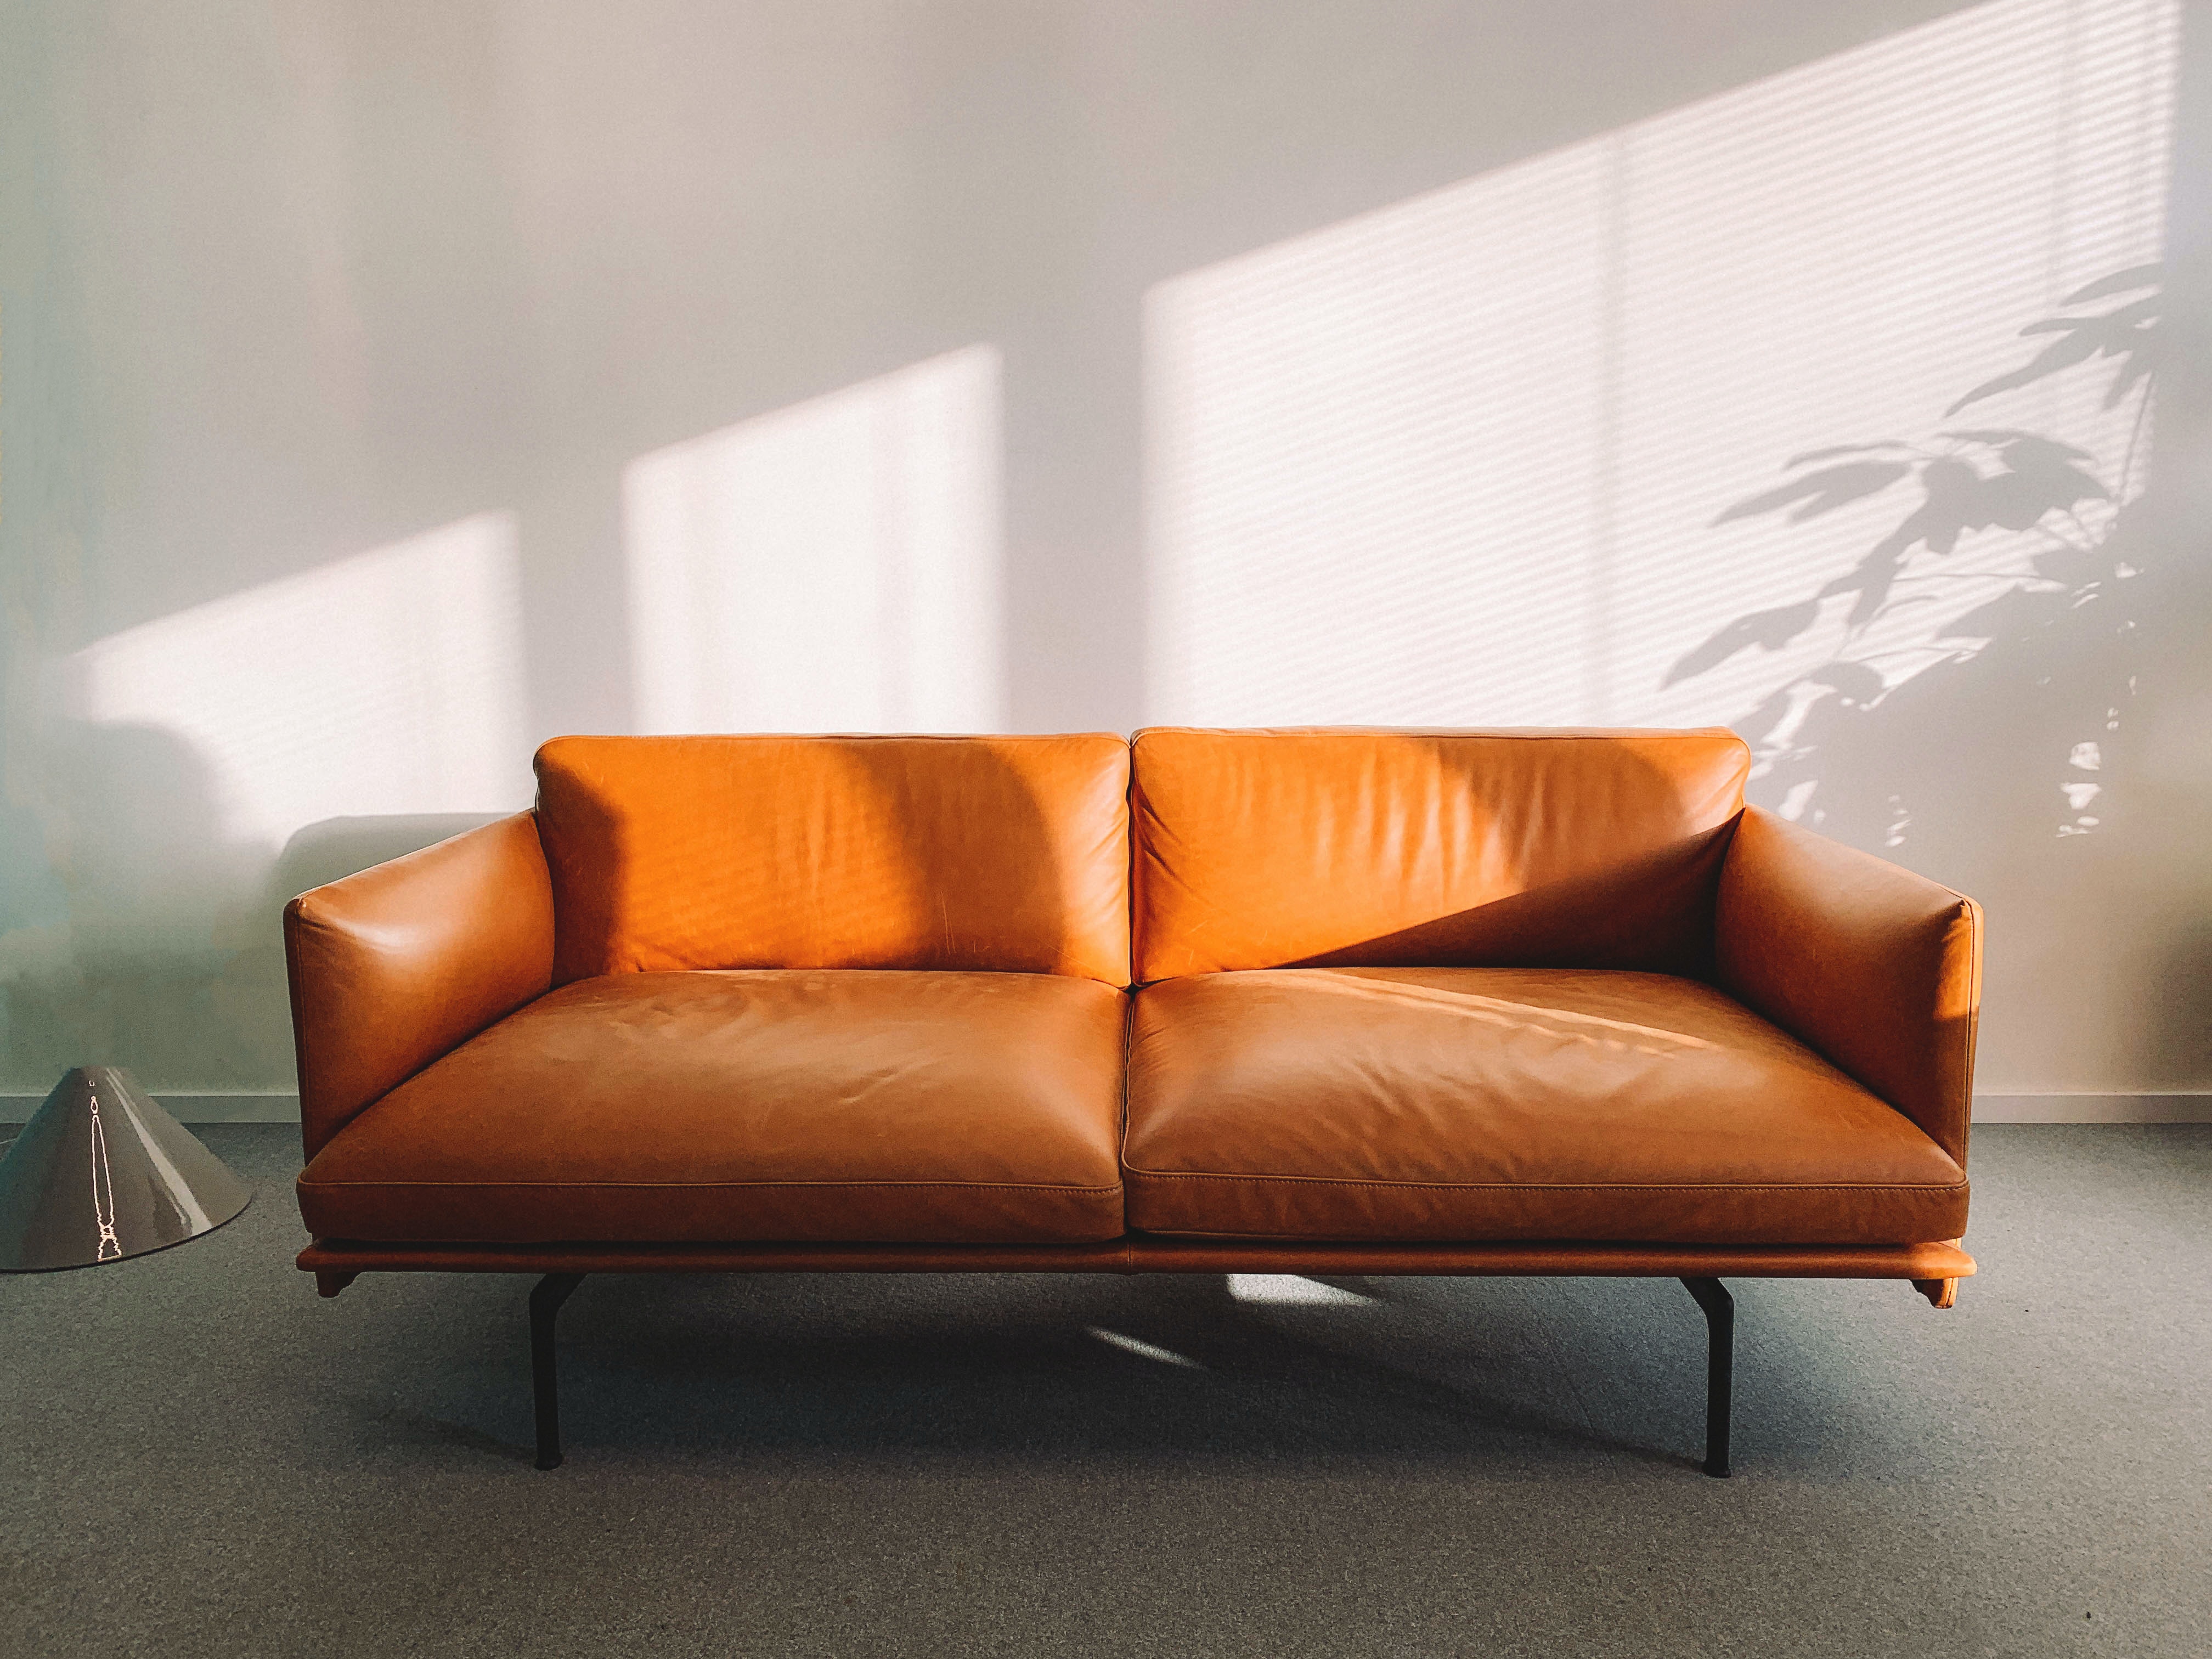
831,567
1459,461
1368,458
388,682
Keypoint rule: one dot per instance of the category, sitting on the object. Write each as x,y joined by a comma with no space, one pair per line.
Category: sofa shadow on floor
1160,1370
1480,1376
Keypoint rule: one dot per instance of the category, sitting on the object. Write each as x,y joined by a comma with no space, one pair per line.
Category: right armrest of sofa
1876,969
400,964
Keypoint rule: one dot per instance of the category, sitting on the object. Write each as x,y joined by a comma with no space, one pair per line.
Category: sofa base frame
1934,1270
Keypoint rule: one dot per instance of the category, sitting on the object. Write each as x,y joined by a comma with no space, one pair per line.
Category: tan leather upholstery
1876,968
1508,1104
768,1104
1007,853
1461,1017
1336,848
392,967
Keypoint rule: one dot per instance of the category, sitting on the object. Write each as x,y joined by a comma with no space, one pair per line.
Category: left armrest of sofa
400,964
1876,968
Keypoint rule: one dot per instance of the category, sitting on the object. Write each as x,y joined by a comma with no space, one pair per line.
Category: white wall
386,386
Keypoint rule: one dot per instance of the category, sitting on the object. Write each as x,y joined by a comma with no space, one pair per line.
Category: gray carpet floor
201,1458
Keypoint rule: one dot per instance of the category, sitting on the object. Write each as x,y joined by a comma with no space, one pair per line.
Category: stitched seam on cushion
1559,1186
706,1186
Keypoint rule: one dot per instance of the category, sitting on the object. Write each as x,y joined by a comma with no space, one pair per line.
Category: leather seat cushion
792,1105
1508,1104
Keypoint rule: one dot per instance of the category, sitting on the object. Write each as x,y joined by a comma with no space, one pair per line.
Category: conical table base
101,1172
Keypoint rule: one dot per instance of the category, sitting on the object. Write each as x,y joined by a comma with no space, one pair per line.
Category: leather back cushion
1412,849
1001,853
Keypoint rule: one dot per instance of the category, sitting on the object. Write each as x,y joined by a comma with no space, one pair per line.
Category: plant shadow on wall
1931,721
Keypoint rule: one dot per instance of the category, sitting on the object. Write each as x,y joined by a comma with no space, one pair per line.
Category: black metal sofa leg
1720,1367
545,1384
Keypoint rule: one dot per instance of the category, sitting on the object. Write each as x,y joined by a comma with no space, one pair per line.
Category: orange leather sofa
1202,1001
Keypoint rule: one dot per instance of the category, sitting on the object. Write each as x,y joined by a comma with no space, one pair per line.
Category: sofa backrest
1372,848
1006,854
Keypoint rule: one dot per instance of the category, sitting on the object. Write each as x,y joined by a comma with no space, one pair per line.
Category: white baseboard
192,1106
2094,1108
